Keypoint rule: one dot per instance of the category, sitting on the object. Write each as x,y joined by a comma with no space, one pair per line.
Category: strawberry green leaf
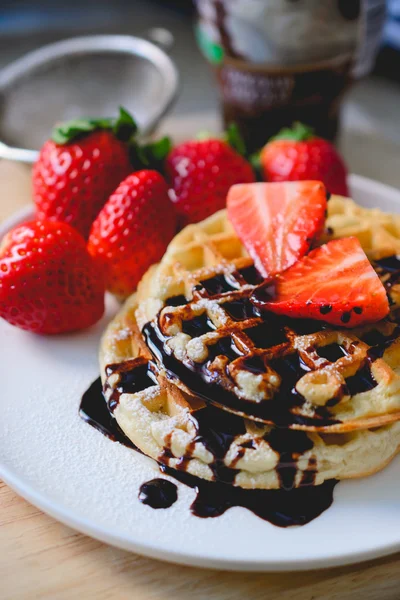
298,133
151,155
234,138
159,149
255,161
70,130
123,127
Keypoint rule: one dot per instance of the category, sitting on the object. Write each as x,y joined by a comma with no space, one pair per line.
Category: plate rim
101,533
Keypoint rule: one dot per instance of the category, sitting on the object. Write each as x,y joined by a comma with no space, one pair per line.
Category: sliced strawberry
334,283
277,222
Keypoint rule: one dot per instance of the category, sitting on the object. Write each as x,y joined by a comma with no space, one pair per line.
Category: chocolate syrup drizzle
134,375
282,410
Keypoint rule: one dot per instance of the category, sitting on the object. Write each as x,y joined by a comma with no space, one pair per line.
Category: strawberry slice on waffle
277,222
334,283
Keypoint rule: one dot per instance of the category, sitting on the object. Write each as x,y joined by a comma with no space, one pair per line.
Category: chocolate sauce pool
93,409
279,507
283,507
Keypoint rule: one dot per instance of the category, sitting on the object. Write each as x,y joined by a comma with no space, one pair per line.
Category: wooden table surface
41,558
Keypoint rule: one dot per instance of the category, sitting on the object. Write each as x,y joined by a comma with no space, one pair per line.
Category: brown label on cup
258,88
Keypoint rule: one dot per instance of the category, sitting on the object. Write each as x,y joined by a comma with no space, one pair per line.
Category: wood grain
15,187
41,558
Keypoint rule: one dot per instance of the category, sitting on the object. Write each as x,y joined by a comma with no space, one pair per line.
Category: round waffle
204,268
179,430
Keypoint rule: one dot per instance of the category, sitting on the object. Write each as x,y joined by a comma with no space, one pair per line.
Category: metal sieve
81,77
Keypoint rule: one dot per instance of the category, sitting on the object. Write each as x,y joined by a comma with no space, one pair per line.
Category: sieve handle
18,154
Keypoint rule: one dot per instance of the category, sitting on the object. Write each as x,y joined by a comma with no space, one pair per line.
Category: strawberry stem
298,133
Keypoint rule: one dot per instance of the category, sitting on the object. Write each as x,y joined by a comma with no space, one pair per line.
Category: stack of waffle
202,382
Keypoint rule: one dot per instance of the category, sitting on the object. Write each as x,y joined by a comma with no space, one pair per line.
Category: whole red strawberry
49,283
133,230
201,173
79,168
296,154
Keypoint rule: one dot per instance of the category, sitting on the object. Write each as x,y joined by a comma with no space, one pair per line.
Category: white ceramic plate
68,469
